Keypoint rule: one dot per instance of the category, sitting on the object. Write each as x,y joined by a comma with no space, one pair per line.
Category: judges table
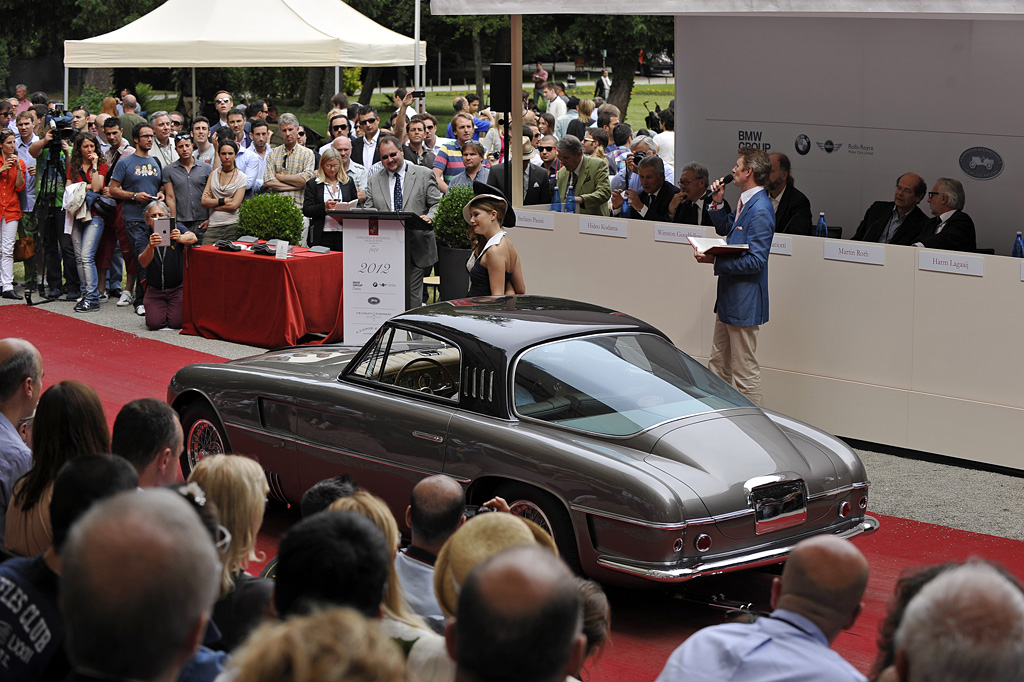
260,300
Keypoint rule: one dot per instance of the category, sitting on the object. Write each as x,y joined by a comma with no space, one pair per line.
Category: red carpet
647,626
119,366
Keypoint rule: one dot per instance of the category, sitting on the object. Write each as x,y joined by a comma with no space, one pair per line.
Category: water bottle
822,229
570,200
1018,247
556,202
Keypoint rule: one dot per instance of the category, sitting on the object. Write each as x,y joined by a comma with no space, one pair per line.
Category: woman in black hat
494,267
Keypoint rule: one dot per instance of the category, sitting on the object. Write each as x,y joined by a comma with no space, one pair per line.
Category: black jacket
877,217
313,206
793,216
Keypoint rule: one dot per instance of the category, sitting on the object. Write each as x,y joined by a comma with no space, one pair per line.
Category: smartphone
419,94
163,227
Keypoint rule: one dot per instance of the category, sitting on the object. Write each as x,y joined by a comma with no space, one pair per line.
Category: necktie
692,214
739,207
397,204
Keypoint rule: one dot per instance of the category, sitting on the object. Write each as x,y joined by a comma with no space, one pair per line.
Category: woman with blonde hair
579,127
334,645
326,191
238,486
426,657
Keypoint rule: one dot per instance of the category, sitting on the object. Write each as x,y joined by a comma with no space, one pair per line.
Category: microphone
725,181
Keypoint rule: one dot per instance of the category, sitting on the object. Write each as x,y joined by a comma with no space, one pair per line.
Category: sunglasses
184,136
430,127
302,133
367,121
222,100
339,127
385,157
546,149
177,123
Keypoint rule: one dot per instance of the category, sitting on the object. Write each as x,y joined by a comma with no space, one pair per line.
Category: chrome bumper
740,563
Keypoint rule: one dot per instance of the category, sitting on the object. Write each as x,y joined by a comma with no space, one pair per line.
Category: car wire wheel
531,512
203,437
547,512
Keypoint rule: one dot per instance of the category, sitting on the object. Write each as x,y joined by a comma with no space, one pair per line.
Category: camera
419,94
62,123
639,156
473,510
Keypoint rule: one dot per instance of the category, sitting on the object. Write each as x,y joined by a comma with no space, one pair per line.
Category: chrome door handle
427,436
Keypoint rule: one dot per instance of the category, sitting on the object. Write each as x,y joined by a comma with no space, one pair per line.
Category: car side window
413,361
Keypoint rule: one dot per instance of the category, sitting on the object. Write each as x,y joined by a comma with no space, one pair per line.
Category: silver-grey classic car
642,464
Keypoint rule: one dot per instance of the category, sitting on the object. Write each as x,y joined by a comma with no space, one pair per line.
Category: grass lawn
440,104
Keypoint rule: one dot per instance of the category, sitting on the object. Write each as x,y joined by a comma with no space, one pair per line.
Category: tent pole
417,80
65,87
194,102
337,79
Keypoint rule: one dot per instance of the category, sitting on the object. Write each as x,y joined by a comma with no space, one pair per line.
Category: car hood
304,361
716,456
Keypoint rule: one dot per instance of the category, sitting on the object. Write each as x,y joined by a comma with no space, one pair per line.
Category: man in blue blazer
742,305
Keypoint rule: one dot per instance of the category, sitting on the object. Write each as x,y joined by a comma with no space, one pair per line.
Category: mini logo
374,284
373,300
981,163
828,146
802,144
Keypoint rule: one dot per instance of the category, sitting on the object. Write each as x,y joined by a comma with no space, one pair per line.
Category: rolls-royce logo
981,163
828,146
373,300
802,144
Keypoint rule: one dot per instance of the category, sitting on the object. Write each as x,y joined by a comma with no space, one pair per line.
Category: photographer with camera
51,151
12,182
627,178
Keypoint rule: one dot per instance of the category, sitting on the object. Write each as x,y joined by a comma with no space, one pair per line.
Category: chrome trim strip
427,436
763,558
840,490
662,526
328,448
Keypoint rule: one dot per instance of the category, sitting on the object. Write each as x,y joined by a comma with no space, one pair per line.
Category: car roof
512,323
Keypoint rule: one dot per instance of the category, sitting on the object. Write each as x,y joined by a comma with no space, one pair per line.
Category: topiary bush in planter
449,225
271,216
452,243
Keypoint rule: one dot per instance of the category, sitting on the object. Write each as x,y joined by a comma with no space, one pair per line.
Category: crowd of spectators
116,571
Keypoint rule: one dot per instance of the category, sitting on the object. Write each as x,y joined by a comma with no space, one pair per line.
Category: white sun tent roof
214,33
893,9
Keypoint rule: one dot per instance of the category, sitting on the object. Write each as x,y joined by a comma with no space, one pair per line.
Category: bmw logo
981,163
802,144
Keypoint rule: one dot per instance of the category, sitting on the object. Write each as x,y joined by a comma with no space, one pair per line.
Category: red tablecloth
260,300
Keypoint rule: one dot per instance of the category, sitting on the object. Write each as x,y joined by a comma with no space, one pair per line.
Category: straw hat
478,539
528,150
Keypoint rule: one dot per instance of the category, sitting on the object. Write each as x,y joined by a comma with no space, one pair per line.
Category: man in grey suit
406,187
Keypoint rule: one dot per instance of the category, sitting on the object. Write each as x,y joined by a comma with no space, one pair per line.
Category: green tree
473,26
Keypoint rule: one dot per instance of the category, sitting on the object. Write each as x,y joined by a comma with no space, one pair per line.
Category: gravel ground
903,484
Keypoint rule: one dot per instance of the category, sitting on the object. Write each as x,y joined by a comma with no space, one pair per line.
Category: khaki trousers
733,359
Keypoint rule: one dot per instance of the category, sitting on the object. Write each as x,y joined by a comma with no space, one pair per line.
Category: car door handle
428,436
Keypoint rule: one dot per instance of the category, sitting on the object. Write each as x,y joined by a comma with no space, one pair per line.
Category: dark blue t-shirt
137,174
31,629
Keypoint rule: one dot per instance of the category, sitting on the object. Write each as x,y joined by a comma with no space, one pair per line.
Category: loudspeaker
501,87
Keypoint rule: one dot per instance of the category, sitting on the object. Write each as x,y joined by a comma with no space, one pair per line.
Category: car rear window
616,384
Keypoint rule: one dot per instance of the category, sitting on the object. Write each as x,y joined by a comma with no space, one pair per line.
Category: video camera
62,123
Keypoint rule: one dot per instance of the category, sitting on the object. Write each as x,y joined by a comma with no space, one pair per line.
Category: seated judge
951,229
690,207
536,188
329,187
655,195
792,207
899,221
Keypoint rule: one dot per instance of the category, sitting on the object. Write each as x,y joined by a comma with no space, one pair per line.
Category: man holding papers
742,304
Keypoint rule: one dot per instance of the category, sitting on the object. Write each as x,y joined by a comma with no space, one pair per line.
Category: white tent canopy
201,33
892,9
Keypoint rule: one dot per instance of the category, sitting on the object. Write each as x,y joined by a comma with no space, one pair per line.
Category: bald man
21,384
518,615
436,510
817,597
128,628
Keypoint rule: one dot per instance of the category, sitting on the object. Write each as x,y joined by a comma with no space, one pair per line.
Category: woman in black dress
494,267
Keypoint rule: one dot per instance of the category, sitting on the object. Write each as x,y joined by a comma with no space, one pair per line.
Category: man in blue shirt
817,597
21,384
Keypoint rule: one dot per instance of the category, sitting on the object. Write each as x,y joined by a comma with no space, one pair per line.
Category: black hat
481,190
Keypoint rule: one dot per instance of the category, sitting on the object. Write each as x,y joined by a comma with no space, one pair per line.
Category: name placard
948,261
782,246
677,234
535,219
605,227
855,253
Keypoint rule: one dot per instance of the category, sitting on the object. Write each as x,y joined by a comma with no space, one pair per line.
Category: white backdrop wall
892,95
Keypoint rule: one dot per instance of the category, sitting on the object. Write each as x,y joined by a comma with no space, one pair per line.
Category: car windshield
616,384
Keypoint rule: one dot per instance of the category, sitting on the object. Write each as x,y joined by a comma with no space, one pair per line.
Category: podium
376,285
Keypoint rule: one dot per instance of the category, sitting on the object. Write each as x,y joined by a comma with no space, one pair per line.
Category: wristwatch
133,196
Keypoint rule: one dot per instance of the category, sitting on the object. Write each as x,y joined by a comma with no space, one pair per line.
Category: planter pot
451,268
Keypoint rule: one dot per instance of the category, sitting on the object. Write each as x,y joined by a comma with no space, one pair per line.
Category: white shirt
556,108
438,143
776,200
358,174
368,146
666,141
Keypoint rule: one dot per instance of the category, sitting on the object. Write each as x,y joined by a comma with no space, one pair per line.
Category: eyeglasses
546,149
339,127
385,157
333,166
222,100
367,121
145,137
932,195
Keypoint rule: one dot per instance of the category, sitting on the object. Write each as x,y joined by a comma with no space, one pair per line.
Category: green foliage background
449,225
271,216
